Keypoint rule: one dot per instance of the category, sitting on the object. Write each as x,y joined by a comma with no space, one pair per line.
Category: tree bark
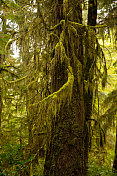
92,12
66,151
88,95
115,158
2,57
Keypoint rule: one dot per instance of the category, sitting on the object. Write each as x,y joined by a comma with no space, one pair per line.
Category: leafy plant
101,165
12,160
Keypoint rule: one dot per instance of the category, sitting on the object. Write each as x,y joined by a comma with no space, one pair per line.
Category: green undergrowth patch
101,164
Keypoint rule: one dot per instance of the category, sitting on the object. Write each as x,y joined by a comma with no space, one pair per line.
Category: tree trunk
2,57
66,151
92,12
115,158
65,154
0,108
88,95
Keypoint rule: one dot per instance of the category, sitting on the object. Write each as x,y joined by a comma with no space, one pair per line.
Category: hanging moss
52,35
65,7
52,103
56,26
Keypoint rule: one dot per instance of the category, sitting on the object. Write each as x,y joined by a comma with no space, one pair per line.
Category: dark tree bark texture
115,158
67,152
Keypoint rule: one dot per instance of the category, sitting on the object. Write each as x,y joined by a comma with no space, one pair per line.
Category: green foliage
95,170
12,160
100,164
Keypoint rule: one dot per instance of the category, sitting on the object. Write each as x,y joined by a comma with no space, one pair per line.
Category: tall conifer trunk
66,151
88,95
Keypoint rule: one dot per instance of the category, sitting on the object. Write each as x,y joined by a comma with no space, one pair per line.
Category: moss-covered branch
86,27
7,47
51,104
5,69
18,80
62,22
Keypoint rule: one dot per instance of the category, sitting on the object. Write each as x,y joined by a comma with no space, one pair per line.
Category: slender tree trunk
115,158
2,57
92,12
88,95
0,107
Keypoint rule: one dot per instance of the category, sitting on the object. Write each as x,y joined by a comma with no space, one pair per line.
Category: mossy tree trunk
115,158
66,151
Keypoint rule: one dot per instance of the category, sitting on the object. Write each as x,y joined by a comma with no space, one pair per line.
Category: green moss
56,26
